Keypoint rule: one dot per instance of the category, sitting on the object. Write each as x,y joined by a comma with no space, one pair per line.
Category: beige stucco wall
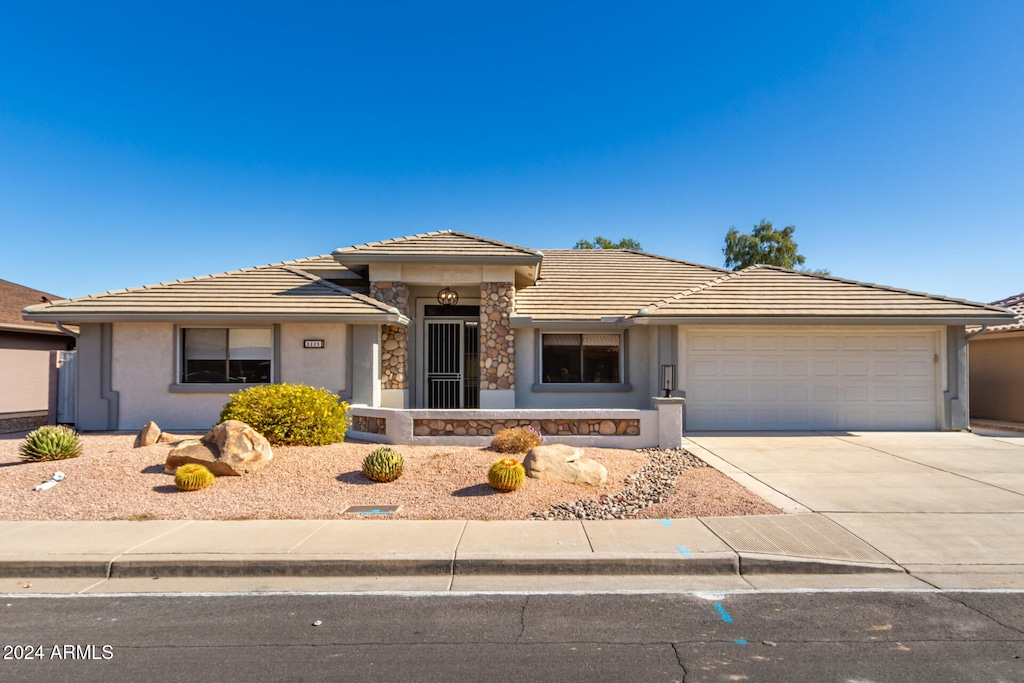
144,367
25,376
997,377
316,367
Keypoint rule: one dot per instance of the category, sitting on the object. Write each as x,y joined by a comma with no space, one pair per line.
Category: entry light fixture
668,379
447,297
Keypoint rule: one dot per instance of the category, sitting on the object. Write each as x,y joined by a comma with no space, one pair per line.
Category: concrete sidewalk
865,510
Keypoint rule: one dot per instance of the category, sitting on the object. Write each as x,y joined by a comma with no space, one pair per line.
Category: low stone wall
553,427
22,422
369,425
660,426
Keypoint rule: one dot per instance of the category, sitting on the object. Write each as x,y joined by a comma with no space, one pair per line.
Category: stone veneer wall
556,427
394,339
369,425
497,338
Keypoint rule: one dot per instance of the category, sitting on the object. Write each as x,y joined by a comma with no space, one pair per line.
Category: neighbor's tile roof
437,246
768,291
1016,305
588,284
15,297
281,290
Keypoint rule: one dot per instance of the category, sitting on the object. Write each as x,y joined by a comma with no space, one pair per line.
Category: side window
217,355
581,358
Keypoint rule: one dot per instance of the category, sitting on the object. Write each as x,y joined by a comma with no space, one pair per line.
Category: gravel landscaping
111,480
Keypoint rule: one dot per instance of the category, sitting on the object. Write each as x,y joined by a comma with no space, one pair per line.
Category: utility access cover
371,509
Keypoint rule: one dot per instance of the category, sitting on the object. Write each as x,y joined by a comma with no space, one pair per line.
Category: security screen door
453,364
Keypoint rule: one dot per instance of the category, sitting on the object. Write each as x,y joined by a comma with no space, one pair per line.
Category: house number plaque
312,343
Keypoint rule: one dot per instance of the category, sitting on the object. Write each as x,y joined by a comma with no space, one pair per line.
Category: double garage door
799,378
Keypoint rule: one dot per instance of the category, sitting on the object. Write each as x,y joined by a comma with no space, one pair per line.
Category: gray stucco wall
127,374
641,371
997,377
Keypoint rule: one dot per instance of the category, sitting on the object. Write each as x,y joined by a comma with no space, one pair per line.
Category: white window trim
180,387
540,386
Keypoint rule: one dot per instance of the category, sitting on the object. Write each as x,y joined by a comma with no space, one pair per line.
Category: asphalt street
846,636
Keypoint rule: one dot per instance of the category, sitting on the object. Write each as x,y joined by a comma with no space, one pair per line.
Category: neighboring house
25,364
997,367
447,334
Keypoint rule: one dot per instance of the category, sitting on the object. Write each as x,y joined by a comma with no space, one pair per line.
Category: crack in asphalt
522,619
987,616
679,660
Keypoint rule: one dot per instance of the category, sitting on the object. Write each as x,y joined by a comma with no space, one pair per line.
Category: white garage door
746,378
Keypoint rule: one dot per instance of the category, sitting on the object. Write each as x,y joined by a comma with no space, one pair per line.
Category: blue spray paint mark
375,511
684,551
740,641
667,522
722,613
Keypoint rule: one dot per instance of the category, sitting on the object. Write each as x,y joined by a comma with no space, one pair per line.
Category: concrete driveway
944,505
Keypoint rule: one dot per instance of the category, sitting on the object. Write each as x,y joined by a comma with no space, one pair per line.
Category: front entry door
453,363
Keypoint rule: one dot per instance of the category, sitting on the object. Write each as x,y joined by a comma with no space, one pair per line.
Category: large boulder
559,462
232,448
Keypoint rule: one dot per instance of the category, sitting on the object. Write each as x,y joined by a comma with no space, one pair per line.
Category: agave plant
383,465
50,443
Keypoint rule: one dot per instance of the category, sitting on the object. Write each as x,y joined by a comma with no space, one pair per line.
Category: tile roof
15,297
588,284
767,291
281,290
442,245
1016,306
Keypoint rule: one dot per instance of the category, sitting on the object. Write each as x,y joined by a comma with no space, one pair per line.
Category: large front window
220,355
581,358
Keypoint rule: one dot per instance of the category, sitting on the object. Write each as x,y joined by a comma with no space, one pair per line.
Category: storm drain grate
371,509
810,536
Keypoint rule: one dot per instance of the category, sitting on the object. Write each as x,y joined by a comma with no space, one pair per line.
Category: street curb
732,565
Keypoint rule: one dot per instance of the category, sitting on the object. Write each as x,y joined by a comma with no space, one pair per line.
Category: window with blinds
218,355
581,358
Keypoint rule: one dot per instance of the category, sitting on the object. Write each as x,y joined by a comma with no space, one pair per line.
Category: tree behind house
764,245
605,243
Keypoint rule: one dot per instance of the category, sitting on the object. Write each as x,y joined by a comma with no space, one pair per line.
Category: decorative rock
559,462
232,448
147,436
167,437
649,485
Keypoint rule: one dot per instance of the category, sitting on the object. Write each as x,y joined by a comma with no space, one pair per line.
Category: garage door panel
810,379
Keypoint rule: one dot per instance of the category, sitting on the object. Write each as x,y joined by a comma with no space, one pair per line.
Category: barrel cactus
383,465
506,474
50,443
192,477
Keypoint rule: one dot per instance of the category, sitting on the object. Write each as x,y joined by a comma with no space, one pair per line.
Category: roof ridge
872,285
1010,301
648,254
731,275
355,248
157,285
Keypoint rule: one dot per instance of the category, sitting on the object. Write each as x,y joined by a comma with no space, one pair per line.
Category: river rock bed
650,485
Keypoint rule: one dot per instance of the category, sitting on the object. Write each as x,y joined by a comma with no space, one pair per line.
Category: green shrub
506,474
290,413
383,464
192,477
516,440
51,443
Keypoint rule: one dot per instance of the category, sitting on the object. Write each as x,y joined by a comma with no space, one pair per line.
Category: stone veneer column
497,338
394,339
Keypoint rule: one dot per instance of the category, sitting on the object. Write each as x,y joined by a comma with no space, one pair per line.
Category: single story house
447,335
997,367
27,367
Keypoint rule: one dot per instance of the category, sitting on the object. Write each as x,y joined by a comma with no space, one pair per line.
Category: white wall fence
661,427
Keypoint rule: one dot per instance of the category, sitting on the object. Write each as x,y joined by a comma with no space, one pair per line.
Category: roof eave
811,320
226,317
361,258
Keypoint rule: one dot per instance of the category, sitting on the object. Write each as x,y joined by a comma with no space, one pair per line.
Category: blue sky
143,142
